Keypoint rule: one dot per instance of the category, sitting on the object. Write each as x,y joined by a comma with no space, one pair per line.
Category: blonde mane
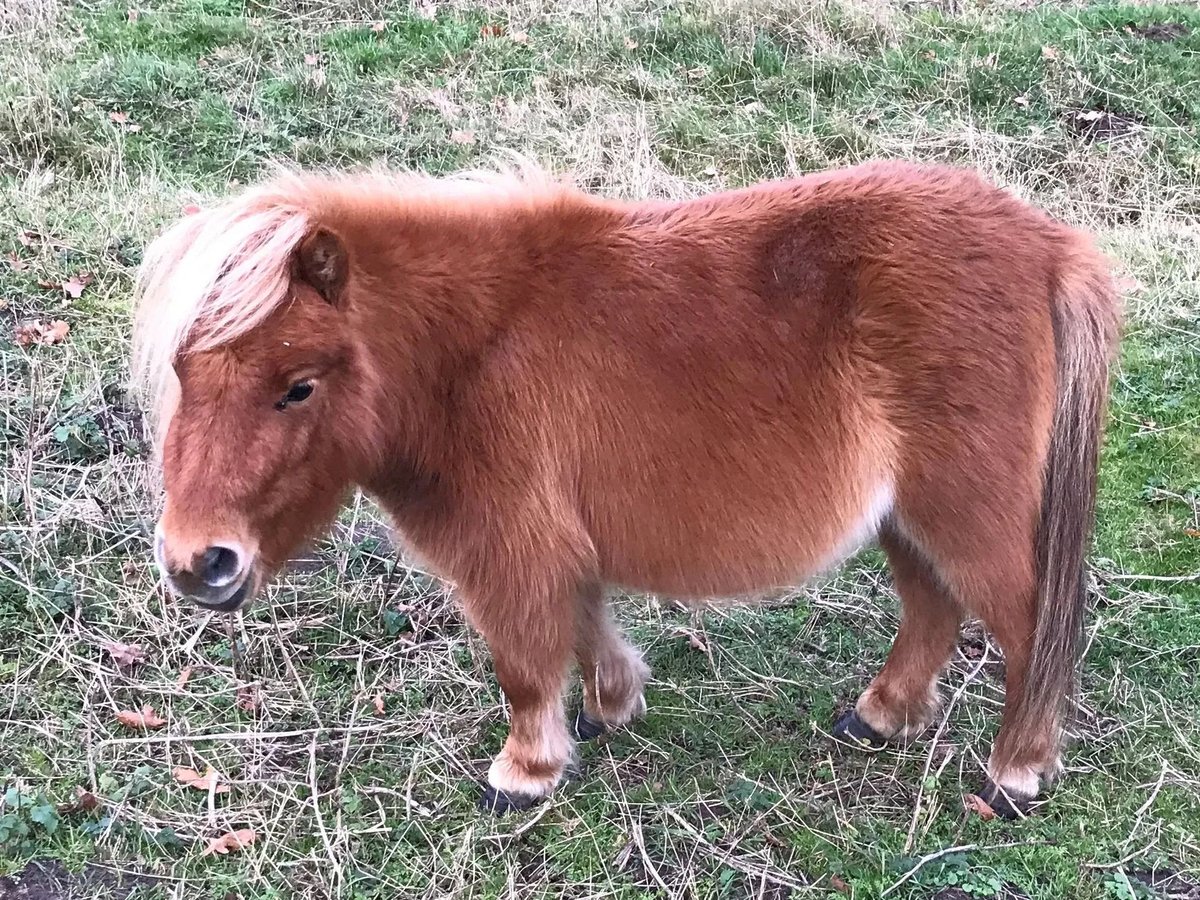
219,273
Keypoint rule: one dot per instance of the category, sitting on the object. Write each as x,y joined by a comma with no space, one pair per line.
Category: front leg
530,632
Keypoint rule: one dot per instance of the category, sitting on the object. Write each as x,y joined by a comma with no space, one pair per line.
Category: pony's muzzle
219,577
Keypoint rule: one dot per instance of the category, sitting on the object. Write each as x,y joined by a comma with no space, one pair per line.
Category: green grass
730,786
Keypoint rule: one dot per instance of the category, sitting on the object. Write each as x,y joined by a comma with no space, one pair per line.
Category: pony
554,394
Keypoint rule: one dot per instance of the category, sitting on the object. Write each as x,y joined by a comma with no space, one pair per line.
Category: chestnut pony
552,394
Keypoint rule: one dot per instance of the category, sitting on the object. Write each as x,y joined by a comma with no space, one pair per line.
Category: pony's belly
748,555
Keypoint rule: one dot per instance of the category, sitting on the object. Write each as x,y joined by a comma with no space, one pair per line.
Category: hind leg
612,671
990,564
903,698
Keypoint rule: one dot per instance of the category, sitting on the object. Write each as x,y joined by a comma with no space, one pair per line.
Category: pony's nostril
220,566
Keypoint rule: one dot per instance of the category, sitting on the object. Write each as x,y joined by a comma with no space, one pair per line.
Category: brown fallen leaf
85,801
247,698
73,286
184,675
839,885
209,781
1192,532
1127,284
15,262
491,31
56,332
125,654
234,840
145,720
29,238
118,117
462,137
975,803
379,704
39,331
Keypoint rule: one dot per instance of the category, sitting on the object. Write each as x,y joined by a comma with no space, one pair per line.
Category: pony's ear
322,262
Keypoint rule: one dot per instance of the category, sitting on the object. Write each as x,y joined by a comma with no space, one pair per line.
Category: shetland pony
551,393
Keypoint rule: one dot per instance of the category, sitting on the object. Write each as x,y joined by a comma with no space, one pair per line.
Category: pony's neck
438,286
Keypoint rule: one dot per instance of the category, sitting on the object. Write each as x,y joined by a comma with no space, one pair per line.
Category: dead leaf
125,654
1049,52
85,801
209,781
73,286
247,698
312,59
462,137
40,331
30,238
119,117
1192,532
234,840
133,15
491,31
145,720
379,704
1127,284
15,262
975,803
56,333
839,885
379,27
184,675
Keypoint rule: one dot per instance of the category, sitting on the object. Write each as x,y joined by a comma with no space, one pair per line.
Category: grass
113,116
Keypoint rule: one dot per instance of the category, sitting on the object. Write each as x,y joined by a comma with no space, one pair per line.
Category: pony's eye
297,393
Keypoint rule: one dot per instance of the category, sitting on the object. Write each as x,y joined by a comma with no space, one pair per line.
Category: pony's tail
1086,318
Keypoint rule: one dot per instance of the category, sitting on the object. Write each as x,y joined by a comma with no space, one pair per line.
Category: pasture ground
114,116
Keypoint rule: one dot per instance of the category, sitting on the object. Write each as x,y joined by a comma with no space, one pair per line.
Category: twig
926,860
912,828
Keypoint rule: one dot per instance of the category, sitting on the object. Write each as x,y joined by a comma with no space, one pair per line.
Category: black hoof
851,729
500,802
1006,806
587,728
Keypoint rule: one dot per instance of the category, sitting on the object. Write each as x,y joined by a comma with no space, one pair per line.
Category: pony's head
245,355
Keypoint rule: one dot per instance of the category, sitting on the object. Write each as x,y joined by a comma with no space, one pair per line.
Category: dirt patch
1102,125
1169,884
1008,892
1164,32
48,879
